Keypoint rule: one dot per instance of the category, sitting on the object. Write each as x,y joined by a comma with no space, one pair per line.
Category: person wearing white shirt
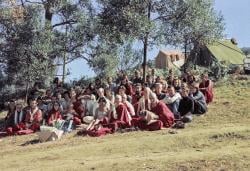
172,100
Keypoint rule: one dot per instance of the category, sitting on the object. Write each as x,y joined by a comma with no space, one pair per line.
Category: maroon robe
78,107
53,115
164,113
166,118
122,120
95,133
34,120
208,92
12,128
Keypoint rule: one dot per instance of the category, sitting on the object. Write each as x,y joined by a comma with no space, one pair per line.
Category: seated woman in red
206,87
158,117
33,116
16,120
54,114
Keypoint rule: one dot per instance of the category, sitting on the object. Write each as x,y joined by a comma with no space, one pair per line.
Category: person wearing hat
200,106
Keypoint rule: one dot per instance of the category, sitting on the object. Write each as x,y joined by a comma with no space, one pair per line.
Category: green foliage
105,33
200,25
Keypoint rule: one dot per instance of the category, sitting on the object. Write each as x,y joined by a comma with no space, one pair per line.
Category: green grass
220,140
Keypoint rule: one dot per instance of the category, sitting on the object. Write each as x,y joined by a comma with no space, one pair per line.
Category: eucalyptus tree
155,22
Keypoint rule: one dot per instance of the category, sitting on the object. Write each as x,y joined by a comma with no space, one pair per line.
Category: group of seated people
107,107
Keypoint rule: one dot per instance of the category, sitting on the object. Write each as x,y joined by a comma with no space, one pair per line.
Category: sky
237,20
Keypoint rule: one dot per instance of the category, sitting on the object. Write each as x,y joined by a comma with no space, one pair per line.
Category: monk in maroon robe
121,119
206,87
158,117
80,111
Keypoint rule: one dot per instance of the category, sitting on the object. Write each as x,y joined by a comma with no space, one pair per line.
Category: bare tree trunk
27,91
144,64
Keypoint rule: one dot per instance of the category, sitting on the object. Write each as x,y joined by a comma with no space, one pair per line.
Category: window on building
177,58
172,58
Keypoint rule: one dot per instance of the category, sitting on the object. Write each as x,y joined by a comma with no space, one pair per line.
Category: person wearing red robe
122,119
80,111
158,117
33,117
54,114
206,87
97,131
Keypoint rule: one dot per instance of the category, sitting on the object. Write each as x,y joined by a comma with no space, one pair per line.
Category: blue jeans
174,107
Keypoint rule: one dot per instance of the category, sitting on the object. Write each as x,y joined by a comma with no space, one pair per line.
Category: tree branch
65,22
31,2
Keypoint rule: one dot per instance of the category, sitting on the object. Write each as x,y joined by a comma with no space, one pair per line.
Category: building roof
168,53
227,51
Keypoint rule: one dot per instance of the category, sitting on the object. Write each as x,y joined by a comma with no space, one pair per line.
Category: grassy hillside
220,140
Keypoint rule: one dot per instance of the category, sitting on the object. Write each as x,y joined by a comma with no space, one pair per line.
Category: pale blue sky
237,19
